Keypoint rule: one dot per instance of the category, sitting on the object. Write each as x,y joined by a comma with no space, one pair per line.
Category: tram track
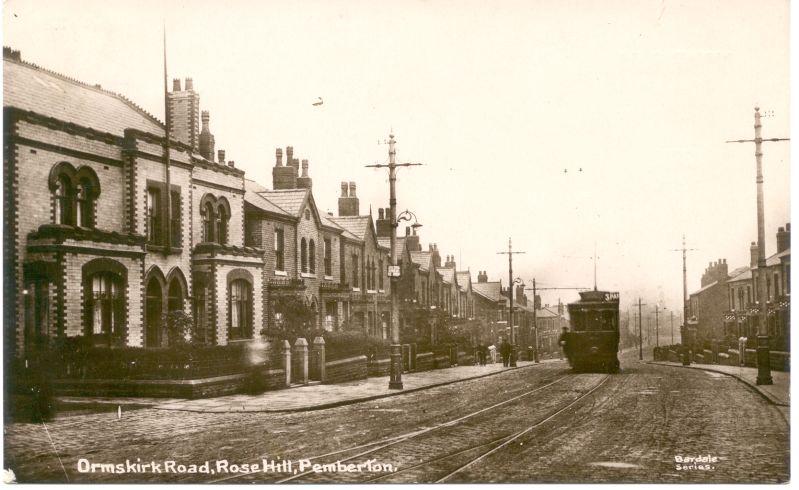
480,426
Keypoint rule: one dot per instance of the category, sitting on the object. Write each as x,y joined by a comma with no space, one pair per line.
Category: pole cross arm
755,141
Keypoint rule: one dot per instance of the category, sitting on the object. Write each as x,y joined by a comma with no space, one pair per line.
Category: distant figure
564,343
492,351
504,351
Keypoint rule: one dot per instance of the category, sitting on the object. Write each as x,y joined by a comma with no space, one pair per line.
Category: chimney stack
753,255
383,225
450,263
184,114
284,177
304,182
12,54
221,155
231,163
784,238
482,276
206,138
348,203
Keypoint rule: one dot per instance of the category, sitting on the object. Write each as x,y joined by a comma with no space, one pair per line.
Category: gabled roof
289,200
355,225
447,274
704,288
775,259
464,279
252,196
545,313
326,221
422,258
741,274
385,242
32,88
489,290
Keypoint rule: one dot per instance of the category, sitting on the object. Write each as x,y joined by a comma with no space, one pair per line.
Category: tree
293,318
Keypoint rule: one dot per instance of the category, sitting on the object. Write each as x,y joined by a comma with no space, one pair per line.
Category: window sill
160,249
370,291
281,273
382,291
356,290
307,274
328,278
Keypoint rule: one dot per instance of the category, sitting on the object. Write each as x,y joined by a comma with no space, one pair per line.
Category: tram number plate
611,296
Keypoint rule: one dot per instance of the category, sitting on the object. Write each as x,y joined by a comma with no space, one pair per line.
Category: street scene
426,242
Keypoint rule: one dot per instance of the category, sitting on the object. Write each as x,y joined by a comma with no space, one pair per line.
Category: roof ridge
94,87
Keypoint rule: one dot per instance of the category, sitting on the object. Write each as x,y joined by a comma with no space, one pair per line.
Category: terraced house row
105,235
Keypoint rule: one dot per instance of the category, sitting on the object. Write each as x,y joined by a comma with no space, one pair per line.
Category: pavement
778,393
307,397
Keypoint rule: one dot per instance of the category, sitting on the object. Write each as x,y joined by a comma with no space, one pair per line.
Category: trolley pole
395,378
763,361
512,338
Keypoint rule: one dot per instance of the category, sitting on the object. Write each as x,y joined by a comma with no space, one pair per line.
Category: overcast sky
503,102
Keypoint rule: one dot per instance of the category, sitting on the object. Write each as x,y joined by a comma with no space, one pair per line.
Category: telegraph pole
640,334
510,254
672,327
684,329
657,331
763,361
395,380
535,328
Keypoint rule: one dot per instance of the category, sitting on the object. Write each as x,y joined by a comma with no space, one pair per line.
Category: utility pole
640,334
684,333
657,330
510,254
763,361
395,380
672,327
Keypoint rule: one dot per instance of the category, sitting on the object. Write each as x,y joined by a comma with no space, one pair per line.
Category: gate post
319,350
287,361
301,359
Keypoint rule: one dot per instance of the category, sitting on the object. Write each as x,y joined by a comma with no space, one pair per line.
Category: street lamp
395,379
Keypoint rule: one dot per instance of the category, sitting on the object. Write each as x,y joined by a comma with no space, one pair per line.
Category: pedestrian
565,344
504,350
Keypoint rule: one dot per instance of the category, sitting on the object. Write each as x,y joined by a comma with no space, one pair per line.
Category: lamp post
395,380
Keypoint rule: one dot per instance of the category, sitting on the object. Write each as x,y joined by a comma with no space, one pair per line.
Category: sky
563,124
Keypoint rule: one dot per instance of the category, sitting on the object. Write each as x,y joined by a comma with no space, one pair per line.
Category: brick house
740,316
709,302
491,309
104,234
364,267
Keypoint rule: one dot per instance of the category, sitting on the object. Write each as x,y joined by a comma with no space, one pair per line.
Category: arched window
154,303
222,218
62,195
85,204
312,257
380,275
175,300
207,213
240,317
303,255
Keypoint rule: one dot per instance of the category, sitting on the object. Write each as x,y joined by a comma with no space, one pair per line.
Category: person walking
504,350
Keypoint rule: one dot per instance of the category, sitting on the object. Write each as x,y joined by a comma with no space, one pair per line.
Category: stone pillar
287,361
301,360
319,351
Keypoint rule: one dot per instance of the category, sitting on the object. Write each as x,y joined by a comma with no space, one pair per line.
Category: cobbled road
632,428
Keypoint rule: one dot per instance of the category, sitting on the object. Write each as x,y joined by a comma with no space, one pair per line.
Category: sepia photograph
419,241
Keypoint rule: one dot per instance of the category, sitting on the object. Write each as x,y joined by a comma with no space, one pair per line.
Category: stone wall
379,367
344,370
424,361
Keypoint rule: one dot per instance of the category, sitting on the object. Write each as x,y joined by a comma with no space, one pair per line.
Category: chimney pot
278,157
289,154
205,116
305,168
189,84
176,84
231,163
380,213
221,156
352,189
343,189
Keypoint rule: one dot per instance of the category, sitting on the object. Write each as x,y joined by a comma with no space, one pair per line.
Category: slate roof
741,274
464,278
489,290
545,313
289,200
252,196
29,87
385,242
704,288
355,225
447,274
326,221
422,258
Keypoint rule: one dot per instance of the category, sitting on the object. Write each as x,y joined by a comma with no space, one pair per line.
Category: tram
593,342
